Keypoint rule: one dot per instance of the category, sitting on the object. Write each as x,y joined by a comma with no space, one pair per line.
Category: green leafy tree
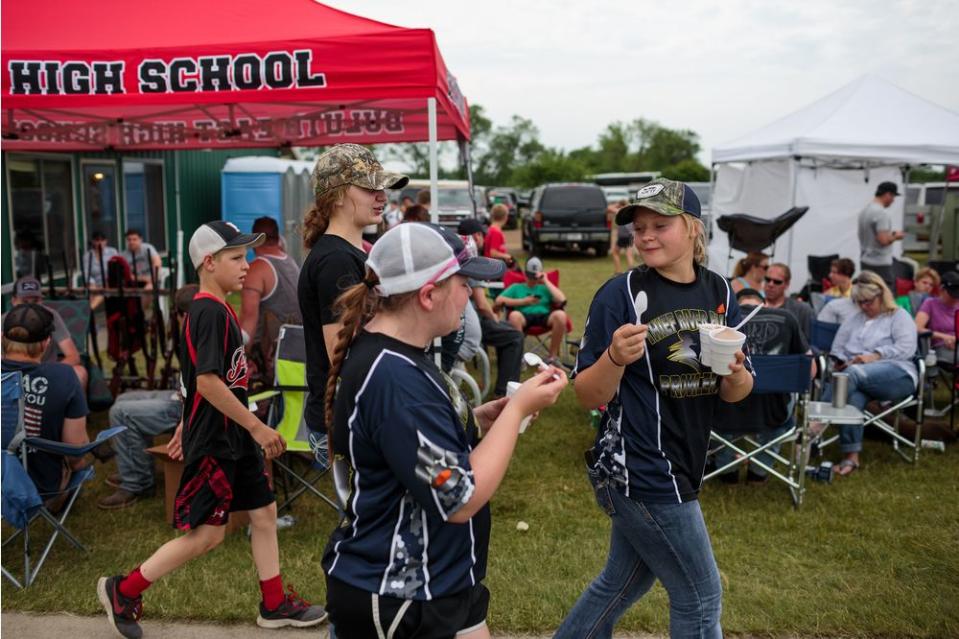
549,165
687,171
511,146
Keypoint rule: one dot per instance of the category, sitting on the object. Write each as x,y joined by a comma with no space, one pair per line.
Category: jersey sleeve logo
238,375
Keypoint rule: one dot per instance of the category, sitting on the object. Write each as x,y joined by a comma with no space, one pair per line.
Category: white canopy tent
829,156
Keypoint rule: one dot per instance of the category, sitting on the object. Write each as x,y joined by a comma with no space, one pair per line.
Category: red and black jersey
212,343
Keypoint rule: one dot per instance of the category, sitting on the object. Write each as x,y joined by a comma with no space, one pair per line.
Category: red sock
133,584
272,590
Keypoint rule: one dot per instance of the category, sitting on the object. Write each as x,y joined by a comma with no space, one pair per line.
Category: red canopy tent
114,74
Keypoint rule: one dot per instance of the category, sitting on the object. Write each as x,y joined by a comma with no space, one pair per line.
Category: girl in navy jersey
647,464
409,558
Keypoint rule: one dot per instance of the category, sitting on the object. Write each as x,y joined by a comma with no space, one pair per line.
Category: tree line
512,154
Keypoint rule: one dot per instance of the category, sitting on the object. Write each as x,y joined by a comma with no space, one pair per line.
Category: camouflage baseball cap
662,196
352,164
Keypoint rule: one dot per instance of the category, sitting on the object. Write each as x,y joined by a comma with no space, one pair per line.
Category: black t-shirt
773,331
51,393
332,266
398,422
212,343
653,437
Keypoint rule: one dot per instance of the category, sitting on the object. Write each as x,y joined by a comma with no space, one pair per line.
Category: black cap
748,292
28,324
469,226
950,283
887,187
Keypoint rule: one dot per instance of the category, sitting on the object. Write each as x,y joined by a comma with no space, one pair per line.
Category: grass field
874,554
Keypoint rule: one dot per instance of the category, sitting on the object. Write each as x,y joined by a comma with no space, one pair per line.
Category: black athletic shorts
537,319
358,614
211,488
624,242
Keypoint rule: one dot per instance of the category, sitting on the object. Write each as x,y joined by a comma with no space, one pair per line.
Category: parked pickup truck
566,215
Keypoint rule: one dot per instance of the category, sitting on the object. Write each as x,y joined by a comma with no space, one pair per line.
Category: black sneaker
294,611
124,613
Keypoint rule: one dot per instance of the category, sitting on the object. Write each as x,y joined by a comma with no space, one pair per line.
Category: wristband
610,356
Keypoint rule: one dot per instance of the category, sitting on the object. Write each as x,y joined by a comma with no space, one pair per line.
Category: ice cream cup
511,388
724,344
705,342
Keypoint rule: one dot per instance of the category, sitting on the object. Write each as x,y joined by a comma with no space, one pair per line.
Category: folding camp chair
478,391
23,504
818,267
907,448
751,233
303,465
541,334
775,374
821,336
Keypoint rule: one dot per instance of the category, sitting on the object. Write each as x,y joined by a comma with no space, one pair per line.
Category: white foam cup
511,388
705,342
722,349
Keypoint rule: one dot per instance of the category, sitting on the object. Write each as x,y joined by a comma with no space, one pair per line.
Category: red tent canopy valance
114,74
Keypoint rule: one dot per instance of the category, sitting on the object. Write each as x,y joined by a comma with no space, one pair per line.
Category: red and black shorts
211,488
358,614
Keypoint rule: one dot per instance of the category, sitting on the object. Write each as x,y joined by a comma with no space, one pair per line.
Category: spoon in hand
641,304
532,359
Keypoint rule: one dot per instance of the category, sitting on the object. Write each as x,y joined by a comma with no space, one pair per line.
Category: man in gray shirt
775,286
876,235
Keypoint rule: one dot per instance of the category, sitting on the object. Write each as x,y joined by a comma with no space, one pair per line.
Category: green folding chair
304,463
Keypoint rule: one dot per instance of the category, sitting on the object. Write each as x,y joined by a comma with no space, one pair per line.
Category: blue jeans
651,541
146,414
726,455
875,380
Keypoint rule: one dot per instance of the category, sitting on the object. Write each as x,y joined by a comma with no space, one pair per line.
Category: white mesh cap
410,255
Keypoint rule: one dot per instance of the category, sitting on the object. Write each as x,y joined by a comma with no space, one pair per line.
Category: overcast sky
721,69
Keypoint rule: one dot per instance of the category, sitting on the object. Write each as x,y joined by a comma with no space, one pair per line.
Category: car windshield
455,198
574,197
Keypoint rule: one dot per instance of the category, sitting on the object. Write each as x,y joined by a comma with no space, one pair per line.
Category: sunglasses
773,280
867,302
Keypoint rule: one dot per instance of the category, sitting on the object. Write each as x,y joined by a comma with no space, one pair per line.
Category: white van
455,202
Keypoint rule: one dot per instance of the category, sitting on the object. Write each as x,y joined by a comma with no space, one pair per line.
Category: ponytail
355,307
317,218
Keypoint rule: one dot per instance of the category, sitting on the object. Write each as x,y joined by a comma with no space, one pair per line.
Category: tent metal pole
434,160
179,219
468,165
434,202
792,232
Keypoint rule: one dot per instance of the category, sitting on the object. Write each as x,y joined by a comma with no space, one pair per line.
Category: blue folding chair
22,503
775,374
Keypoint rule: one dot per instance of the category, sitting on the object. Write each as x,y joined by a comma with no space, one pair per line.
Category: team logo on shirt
681,327
238,375
682,352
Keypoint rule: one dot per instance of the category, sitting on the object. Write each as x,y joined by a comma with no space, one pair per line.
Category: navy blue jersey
653,437
51,394
213,344
406,435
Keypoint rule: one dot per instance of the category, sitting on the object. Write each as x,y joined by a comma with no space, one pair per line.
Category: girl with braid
348,185
409,558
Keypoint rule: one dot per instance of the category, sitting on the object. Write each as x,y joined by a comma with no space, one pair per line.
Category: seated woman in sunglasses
875,347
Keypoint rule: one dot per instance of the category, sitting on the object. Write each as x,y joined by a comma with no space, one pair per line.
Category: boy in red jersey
219,440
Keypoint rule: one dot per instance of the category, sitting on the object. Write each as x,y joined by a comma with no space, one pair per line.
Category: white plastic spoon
532,359
641,304
747,318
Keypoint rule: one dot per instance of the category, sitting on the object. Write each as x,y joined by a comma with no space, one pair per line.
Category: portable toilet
257,186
